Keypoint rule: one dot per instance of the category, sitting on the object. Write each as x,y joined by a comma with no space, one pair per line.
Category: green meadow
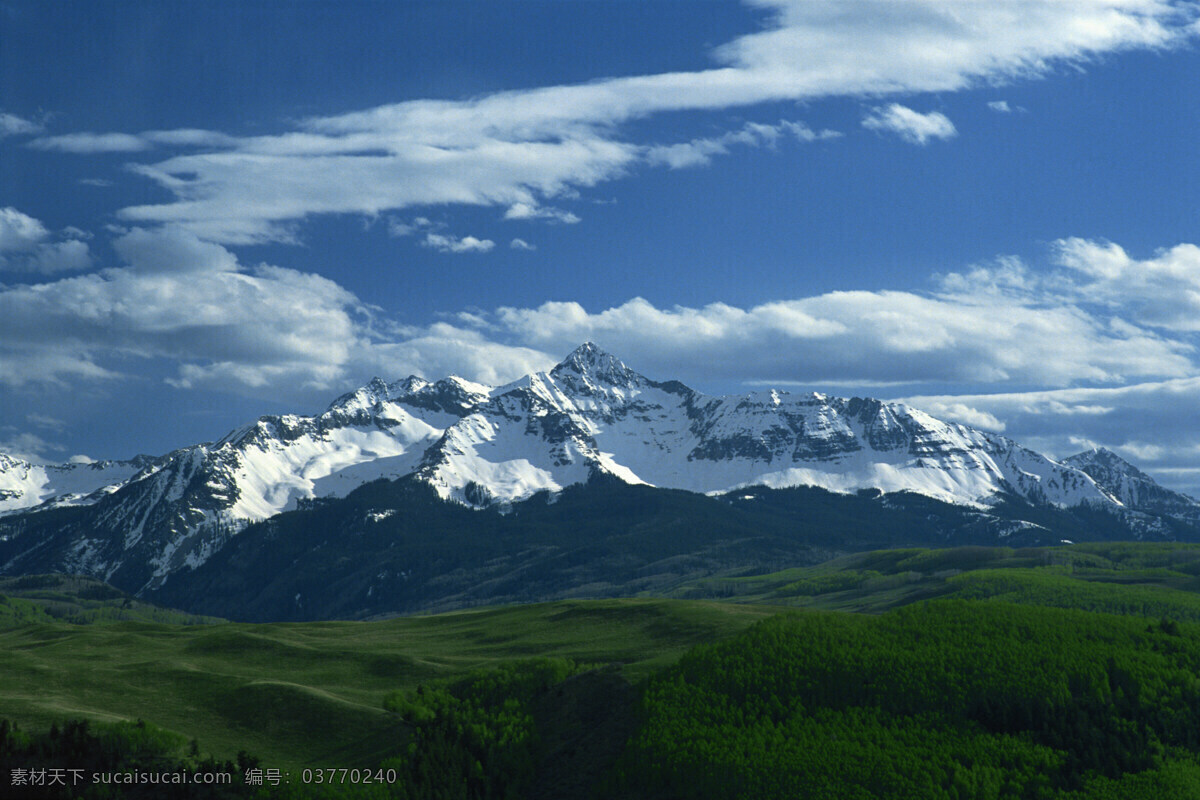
975,672
312,694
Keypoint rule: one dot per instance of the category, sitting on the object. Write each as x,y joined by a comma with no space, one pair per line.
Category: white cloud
27,246
1000,106
443,349
398,228
90,143
46,422
28,447
527,147
189,137
453,244
265,327
1163,291
859,337
19,232
954,411
911,126
699,152
12,125
521,244
187,301
51,257
86,143
1158,292
442,242
527,211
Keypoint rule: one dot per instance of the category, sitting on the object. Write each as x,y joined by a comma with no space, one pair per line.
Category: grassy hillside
80,600
1144,579
1048,673
311,694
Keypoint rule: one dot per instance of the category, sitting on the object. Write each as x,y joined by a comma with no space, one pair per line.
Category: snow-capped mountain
24,484
590,416
1132,487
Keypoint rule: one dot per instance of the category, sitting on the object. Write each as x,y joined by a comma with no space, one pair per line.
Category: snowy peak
24,485
591,369
590,416
1130,486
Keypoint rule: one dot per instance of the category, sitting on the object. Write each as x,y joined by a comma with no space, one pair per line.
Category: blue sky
210,211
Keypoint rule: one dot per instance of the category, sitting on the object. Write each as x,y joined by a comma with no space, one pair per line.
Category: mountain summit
1132,487
588,417
588,365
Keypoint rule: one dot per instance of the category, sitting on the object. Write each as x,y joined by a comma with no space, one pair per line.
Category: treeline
540,729
76,759
941,700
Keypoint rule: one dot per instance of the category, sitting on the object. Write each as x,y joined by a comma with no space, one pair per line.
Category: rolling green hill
311,694
80,600
1052,673
1144,579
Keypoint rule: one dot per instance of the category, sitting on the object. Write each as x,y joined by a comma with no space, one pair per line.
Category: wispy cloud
699,152
89,143
27,446
527,148
527,211
12,125
911,126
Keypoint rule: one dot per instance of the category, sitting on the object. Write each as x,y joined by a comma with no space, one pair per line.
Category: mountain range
153,524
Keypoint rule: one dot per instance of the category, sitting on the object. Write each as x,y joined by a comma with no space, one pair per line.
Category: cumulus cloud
454,244
911,126
1162,291
185,300
27,246
433,237
442,349
1000,106
861,337
521,244
526,147
19,231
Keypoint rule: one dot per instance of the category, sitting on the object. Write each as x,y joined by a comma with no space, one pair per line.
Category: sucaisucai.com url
75,777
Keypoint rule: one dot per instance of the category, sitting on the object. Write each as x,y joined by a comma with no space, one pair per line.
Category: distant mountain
24,484
1131,487
590,418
